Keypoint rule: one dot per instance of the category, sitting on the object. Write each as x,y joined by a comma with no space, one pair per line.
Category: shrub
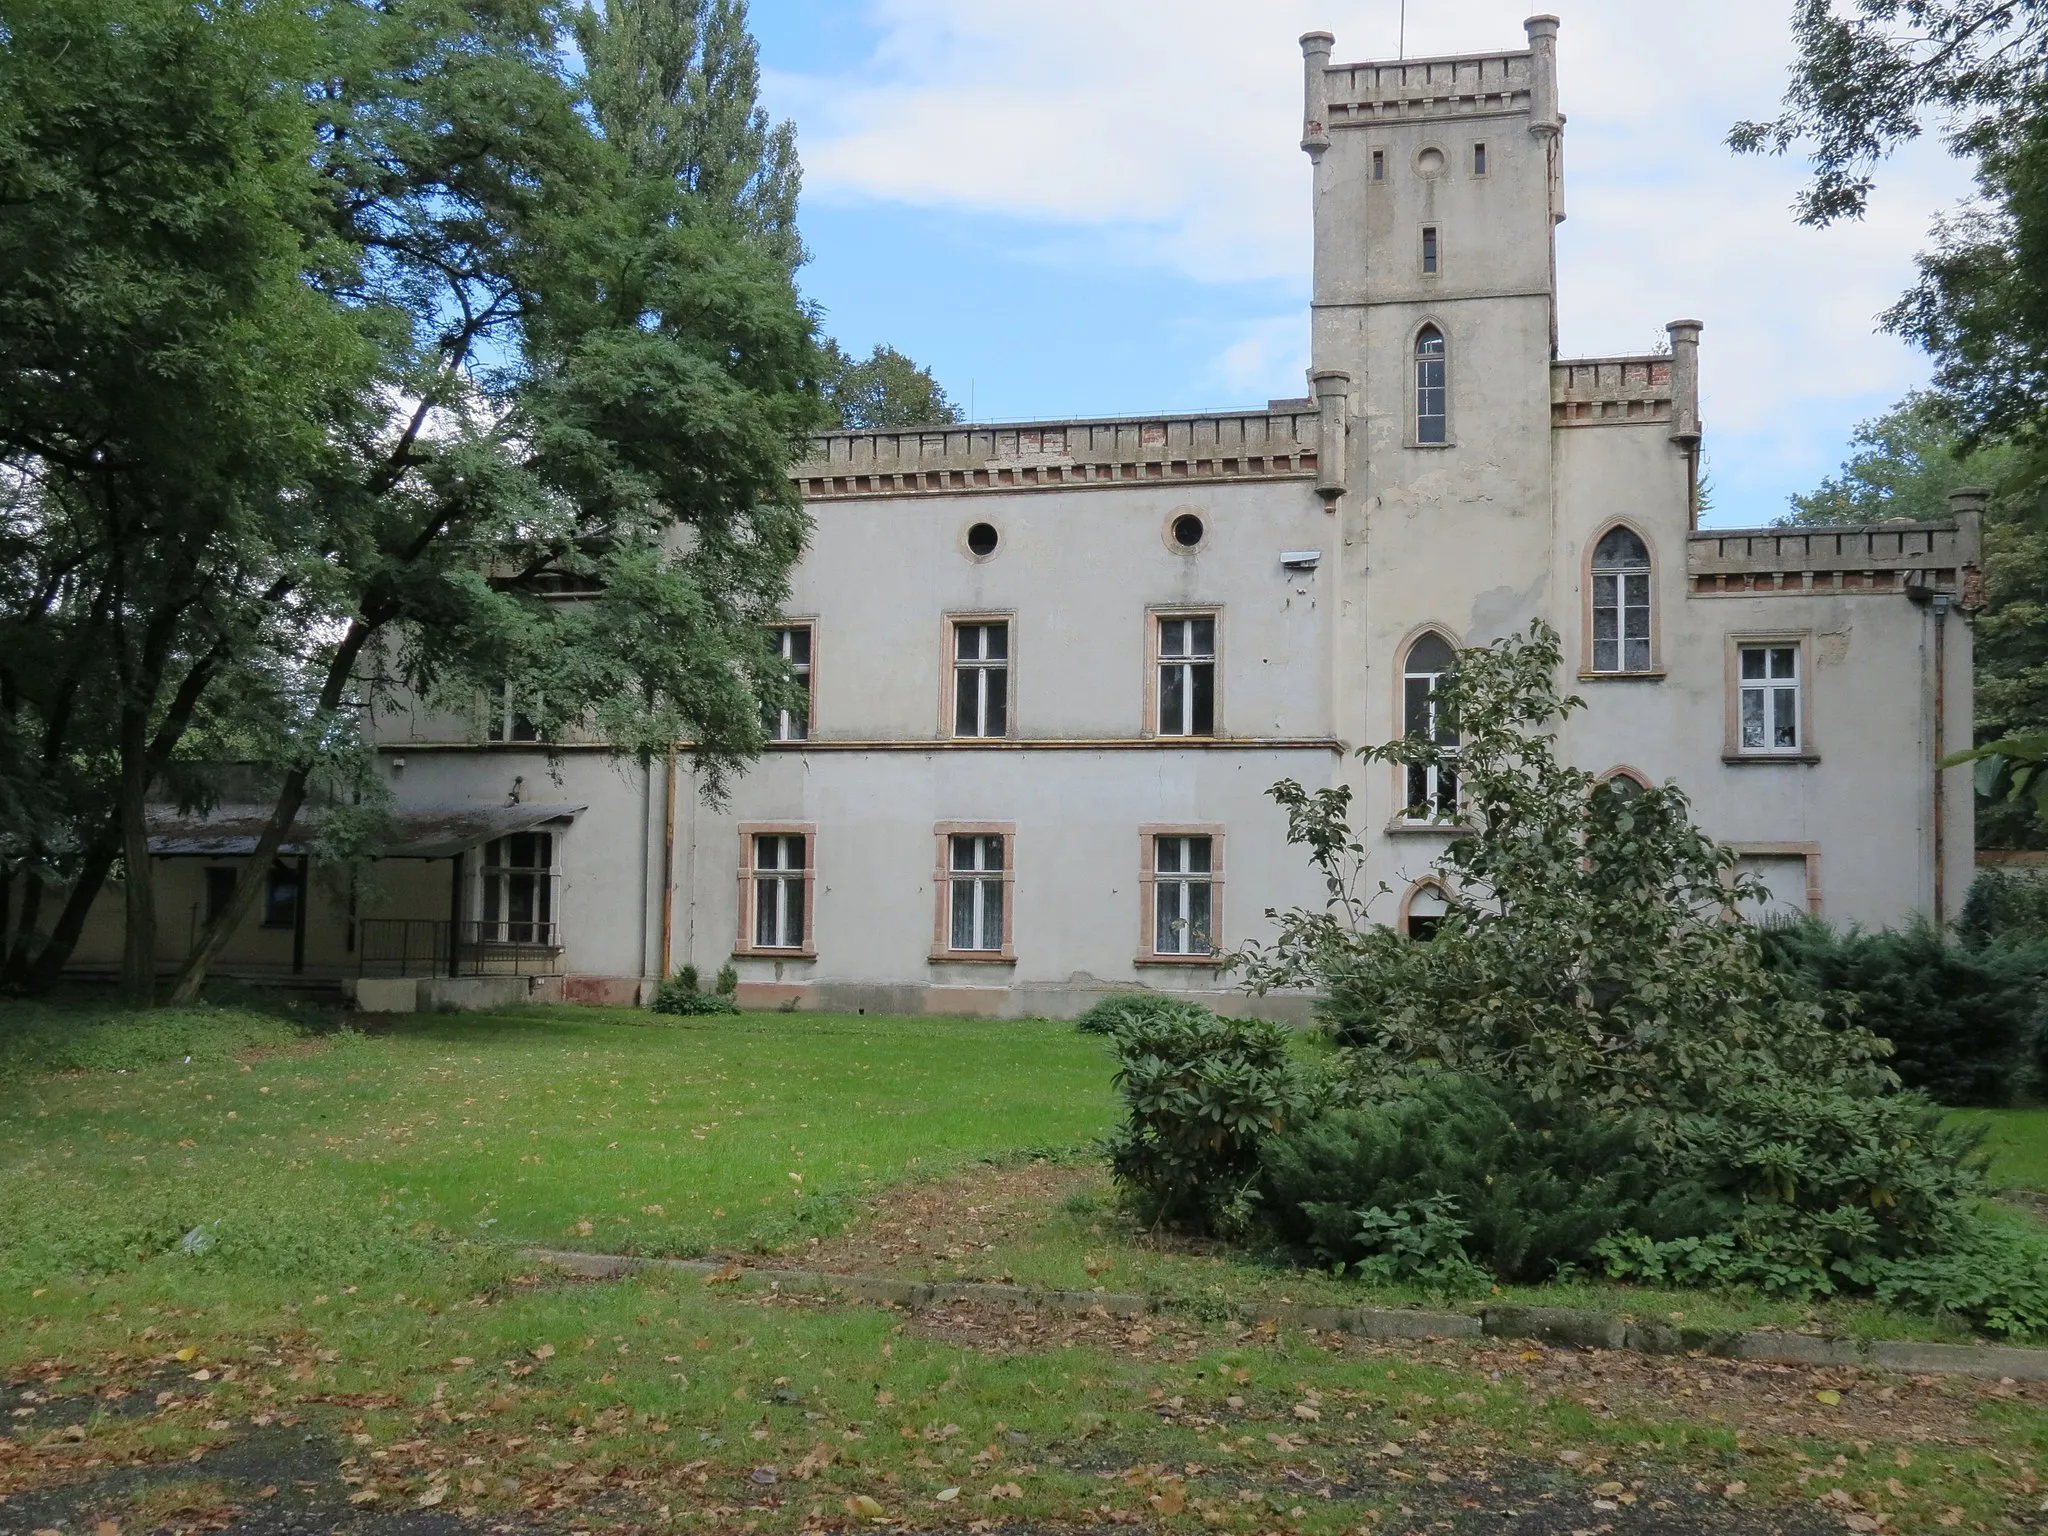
2004,904
1586,962
682,993
1964,1020
1529,1189
1200,1093
1120,1009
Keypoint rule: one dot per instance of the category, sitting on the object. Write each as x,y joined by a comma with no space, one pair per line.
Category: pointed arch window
1432,787
1432,419
1621,603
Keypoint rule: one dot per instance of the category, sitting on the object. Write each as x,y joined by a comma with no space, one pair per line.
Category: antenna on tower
1401,51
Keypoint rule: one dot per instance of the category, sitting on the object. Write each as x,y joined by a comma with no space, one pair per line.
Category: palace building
1055,667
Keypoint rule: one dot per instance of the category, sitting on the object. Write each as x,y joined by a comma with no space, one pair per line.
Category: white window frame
1427,778
1158,885
983,883
785,725
1426,392
506,716
1780,698
976,673
1600,578
800,882
1188,668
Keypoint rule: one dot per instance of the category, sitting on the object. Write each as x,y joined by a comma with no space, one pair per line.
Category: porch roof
420,832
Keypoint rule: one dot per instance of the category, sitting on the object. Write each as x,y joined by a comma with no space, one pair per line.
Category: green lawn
572,1127
2018,1142
354,1302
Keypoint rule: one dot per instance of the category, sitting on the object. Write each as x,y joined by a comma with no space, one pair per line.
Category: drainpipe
668,865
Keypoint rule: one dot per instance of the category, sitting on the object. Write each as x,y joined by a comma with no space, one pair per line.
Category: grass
2018,1142
355,1197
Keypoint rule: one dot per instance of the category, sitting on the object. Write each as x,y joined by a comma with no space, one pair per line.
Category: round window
981,539
1430,162
1188,530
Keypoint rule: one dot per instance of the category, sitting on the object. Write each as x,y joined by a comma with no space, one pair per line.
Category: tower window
981,679
1187,676
1621,603
1432,787
1429,252
1431,421
1478,159
1379,165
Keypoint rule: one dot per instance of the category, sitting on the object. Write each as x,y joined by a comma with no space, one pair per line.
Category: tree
1903,464
675,84
886,389
168,376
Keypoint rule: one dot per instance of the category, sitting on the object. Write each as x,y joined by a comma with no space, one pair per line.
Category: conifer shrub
1964,1019
1513,1188
2006,905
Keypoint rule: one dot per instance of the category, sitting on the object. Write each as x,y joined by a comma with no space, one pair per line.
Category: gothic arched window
1621,603
1432,787
1431,415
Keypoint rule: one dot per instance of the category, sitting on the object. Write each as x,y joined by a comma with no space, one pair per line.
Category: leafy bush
683,994
35,1038
1964,1020
1586,963
1200,1093
1120,1009
1529,1189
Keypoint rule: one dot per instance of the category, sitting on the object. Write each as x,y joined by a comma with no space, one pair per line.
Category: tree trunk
39,970
291,799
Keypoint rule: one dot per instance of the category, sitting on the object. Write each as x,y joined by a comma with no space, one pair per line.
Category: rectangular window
1183,904
1767,699
1379,165
1187,676
779,879
793,644
220,890
976,879
1478,159
1621,621
510,720
516,890
280,897
981,678
1429,250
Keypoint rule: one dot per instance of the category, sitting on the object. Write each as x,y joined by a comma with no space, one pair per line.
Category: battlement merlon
1522,83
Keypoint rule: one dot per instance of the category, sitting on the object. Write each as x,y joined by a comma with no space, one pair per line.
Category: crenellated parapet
1056,455
1470,85
1610,391
1902,557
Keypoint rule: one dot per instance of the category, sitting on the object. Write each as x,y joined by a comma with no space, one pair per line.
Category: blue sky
1098,207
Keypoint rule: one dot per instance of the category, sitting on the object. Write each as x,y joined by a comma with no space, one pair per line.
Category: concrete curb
1549,1325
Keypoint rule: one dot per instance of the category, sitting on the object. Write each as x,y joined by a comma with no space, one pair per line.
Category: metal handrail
420,946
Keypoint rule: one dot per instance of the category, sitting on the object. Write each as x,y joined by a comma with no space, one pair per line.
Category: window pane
967,642
1752,716
792,853
992,853
963,852
764,914
966,698
1173,637
1752,662
1606,622
1784,661
1169,855
1204,681
767,852
1418,790
992,914
1416,714
1198,849
996,719
996,644
1172,701
963,914
1786,721
1620,549
1166,938
1198,939
1202,637
799,647
1637,656
1639,592
1446,791
793,913
1606,655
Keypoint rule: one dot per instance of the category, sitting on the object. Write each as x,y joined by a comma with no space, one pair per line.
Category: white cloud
1164,135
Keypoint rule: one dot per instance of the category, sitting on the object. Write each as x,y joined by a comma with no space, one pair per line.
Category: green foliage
1530,1187
1903,464
1587,963
39,1039
1964,1021
1200,1094
682,993
1121,1009
2005,905
886,389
